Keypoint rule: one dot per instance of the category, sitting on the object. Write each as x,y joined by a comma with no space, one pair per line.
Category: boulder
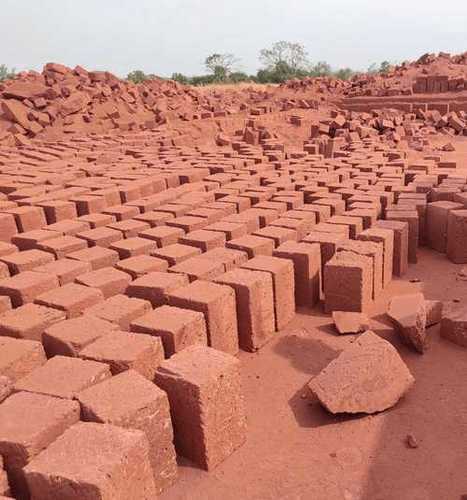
350,322
408,312
367,377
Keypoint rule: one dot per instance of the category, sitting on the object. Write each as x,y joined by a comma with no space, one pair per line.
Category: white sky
166,36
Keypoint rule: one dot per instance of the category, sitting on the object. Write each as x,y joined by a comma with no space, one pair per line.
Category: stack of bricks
131,272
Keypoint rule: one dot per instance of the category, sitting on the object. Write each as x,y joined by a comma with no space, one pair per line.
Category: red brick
217,302
204,240
130,227
20,357
62,246
63,377
142,264
74,299
199,268
97,220
252,245
69,337
230,258
400,244
456,247
163,235
8,227
26,260
56,211
28,218
306,259
30,239
411,217
29,321
348,282
283,281
188,223
101,236
177,328
121,310
386,237
124,351
176,253
204,390
230,230
66,270
28,424
26,286
255,306
155,286
132,402
97,257
108,280
68,227
119,455
437,223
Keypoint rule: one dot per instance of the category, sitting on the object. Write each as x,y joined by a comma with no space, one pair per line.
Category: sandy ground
295,450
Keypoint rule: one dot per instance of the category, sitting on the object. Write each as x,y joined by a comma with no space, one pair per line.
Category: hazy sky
165,36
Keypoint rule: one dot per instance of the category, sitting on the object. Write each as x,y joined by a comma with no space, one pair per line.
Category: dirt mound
429,74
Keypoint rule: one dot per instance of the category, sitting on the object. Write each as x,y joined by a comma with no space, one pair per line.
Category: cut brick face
371,249
101,236
176,253
188,223
456,247
204,240
63,377
255,306
133,247
56,211
73,299
283,281
400,244
20,357
252,245
386,237
69,337
28,424
230,258
437,223
412,220
306,260
142,264
163,235
130,401
218,304
62,246
278,235
97,257
230,230
28,218
199,268
206,403
68,227
7,227
130,228
27,260
454,325
66,270
155,286
177,328
29,321
30,239
97,220
108,280
26,286
355,224
103,461
348,282
121,310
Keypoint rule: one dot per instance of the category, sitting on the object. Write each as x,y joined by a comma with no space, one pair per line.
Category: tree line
281,62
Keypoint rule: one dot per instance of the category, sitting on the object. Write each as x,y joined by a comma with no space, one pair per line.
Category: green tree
344,73
321,68
5,73
384,67
139,76
220,65
180,78
286,54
